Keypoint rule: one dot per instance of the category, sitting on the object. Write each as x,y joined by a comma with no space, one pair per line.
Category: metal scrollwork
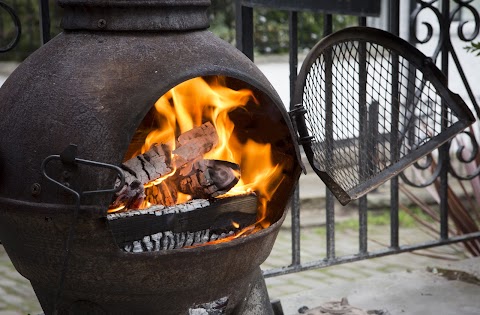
428,162
17,26
476,19
424,5
445,20
466,153
465,145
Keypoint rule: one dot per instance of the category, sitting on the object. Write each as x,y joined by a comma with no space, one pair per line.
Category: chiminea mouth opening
211,161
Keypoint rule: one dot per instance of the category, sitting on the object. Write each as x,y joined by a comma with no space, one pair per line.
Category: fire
200,100
193,102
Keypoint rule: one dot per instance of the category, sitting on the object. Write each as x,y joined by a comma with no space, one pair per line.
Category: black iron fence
431,22
428,23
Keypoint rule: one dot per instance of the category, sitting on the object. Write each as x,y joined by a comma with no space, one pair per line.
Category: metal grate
372,105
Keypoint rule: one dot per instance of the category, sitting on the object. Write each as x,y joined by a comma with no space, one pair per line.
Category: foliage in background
473,48
271,27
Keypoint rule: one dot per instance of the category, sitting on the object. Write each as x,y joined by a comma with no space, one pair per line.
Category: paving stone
14,275
5,282
12,299
5,269
23,290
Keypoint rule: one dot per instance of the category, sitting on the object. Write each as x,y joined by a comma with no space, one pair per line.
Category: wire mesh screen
371,109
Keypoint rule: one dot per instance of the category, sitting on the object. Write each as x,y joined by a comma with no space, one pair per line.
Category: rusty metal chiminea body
92,85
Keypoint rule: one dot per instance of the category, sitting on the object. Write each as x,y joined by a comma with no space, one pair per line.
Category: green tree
271,26
270,36
222,19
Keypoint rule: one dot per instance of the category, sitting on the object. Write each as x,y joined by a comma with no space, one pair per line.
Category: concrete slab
416,292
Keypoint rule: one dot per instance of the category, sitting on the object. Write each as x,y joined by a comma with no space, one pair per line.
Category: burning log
202,179
195,222
194,143
138,171
194,176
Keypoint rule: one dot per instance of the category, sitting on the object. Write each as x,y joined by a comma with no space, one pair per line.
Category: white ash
159,210
156,238
217,307
169,240
137,247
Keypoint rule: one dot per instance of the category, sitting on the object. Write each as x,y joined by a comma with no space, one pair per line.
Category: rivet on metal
36,189
102,23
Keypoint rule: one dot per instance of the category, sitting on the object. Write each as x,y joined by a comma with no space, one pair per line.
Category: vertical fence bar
394,27
362,78
44,21
443,151
330,201
295,204
412,25
293,53
244,28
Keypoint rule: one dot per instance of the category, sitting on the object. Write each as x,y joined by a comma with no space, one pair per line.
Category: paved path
313,249
17,296
16,293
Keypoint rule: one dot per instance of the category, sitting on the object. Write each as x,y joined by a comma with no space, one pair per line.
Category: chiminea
97,86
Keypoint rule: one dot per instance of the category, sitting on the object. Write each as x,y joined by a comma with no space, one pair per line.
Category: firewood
194,143
131,195
151,165
195,222
209,178
164,193
169,240
204,179
140,170
194,176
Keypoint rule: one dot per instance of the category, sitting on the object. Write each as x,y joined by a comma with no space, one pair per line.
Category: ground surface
17,296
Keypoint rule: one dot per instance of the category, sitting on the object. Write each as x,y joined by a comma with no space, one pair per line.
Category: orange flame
197,101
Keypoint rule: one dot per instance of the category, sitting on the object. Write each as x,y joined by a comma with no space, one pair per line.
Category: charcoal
180,239
137,247
197,237
147,243
159,210
165,241
138,230
190,239
171,240
205,236
156,238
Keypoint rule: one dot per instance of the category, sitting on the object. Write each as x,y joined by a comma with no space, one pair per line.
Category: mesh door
372,104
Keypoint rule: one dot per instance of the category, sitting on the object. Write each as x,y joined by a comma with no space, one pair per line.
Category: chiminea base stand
256,302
